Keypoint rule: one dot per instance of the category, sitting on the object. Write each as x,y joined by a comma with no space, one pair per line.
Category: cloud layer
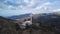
17,7
30,4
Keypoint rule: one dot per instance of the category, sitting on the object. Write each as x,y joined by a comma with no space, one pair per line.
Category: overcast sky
18,7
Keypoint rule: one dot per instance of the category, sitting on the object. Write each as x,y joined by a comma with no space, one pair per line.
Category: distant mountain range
19,16
4,18
36,17
45,18
48,19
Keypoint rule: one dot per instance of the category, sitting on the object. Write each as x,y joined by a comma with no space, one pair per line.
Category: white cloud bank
44,6
57,10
